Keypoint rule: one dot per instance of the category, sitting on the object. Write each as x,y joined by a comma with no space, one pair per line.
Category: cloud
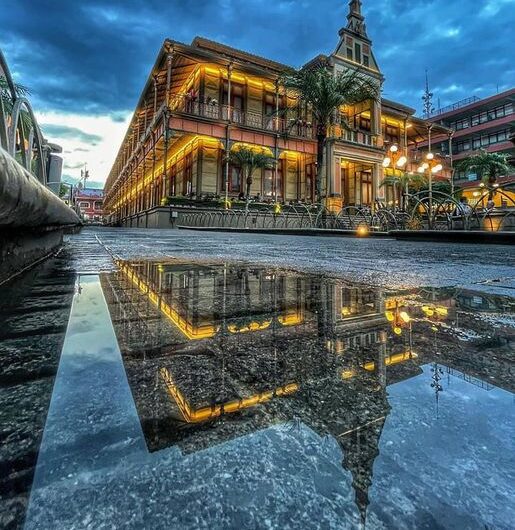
69,133
91,140
91,59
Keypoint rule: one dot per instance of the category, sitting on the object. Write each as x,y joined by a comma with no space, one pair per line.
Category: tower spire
356,21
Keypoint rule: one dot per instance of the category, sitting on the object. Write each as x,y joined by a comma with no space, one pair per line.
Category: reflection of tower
361,447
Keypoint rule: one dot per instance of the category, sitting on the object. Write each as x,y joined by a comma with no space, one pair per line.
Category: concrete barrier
26,203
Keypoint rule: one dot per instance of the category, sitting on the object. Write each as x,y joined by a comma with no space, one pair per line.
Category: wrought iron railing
20,134
212,109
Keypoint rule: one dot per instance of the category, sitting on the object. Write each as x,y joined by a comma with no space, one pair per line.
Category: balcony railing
211,109
354,136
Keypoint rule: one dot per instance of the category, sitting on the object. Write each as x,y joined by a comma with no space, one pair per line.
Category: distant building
487,124
91,204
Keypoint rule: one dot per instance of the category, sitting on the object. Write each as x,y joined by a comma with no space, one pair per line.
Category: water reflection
216,351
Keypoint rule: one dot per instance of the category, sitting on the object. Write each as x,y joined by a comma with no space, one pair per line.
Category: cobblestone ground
381,262
34,309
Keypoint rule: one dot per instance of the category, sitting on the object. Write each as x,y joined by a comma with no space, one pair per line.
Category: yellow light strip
189,330
191,415
391,360
136,189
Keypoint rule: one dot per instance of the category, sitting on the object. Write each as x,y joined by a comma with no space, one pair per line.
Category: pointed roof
356,21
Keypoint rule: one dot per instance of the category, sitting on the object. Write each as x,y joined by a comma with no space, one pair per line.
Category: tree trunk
321,141
247,194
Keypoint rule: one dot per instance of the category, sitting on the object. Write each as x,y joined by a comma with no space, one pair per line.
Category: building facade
204,99
91,204
487,124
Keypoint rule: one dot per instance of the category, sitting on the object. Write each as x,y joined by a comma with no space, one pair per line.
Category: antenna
427,98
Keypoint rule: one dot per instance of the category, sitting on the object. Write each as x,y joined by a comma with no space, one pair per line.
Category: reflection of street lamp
395,160
430,167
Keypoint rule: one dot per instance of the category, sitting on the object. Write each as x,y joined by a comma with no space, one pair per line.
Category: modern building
204,99
487,124
91,204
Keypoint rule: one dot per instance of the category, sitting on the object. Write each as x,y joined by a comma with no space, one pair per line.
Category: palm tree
324,93
405,181
249,161
487,166
7,101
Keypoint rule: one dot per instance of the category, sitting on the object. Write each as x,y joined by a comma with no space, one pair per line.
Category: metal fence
438,211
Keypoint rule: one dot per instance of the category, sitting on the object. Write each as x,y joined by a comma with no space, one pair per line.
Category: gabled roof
234,53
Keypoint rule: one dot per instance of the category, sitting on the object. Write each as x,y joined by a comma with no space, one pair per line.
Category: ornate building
204,99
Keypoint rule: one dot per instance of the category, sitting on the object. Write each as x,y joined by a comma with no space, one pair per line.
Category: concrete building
204,99
487,124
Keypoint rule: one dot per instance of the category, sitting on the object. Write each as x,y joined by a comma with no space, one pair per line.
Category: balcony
214,111
353,136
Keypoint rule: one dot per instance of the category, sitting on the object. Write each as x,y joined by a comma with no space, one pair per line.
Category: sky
86,61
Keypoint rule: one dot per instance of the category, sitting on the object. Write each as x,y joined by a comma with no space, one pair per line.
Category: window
310,181
392,134
234,179
98,205
357,52
84,204
462,124
173,177
271,182
187,184
237,100
366,60
349,54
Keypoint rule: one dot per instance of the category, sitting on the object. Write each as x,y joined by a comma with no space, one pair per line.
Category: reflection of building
216,351
205,99
90,202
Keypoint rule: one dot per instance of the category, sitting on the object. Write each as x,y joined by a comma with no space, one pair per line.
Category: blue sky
86,61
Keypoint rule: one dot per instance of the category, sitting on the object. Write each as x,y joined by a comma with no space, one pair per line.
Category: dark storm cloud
94,56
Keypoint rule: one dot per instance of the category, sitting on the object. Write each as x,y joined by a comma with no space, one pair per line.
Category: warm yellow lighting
425,165
437,168
389,316
397,330
362,231
291,318
430,156
395,358
191,415
404,316
386,161
347,374
394,148
476,194
420,169
482,185
496,185
345,311
189,330
402,161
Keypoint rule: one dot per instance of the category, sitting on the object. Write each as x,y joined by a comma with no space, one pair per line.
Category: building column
377,178
375,122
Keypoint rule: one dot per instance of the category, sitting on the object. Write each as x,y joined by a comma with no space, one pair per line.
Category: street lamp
395,160
431,166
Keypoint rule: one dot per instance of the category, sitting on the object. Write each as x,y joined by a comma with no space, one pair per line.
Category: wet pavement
234,381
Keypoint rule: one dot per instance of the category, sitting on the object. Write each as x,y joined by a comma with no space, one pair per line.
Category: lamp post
431,166
395,160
